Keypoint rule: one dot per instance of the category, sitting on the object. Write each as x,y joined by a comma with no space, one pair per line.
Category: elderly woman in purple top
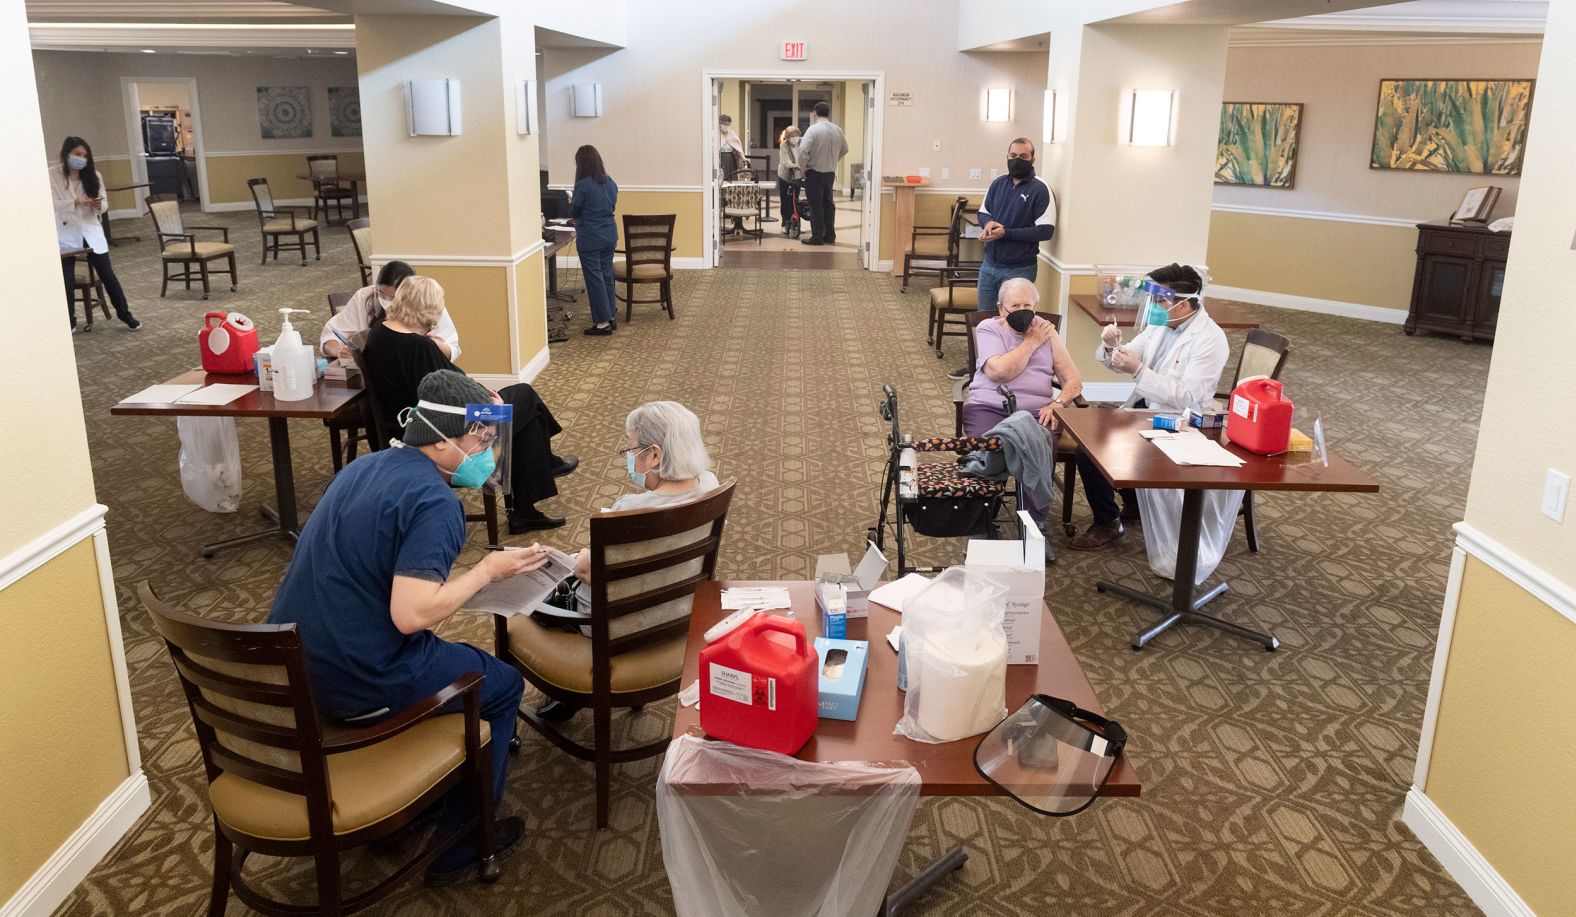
1023,351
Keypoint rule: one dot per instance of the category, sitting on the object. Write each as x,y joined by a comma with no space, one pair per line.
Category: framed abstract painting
1475,126
1258,144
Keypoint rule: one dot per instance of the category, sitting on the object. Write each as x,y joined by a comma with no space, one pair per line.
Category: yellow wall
477,297
227,176
65,751
530,279
931,208
689,230
117,174
1504,753
1362,263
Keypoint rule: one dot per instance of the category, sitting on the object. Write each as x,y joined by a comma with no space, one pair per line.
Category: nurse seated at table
371,576
1023,351
401,351
369,306
1175,363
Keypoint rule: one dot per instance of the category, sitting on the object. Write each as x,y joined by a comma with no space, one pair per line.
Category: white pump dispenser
295,366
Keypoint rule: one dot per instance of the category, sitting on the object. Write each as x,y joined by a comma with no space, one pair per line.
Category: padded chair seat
332,191
955,297
368,784
739,211
181,251
564,658
81,273
283,225
644,271
930,245
942,479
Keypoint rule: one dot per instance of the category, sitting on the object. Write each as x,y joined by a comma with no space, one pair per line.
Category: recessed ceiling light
149,51
341,52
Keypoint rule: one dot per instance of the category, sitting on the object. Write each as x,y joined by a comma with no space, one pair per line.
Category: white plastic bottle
295,366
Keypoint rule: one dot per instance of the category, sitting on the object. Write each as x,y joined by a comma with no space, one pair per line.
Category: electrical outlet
946,172
994,173
935,146
924,171
1555,489
974,175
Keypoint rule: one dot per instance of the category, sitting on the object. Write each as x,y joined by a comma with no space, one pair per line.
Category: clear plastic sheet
954,657
210,462
753,832
1162,515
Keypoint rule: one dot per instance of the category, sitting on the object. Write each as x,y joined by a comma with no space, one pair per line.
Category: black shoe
1130,515
599,330
564,464
133,325
418,826
961,373
556,711
811,242
534,521
460,862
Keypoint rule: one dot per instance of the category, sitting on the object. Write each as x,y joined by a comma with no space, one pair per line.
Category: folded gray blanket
1026,453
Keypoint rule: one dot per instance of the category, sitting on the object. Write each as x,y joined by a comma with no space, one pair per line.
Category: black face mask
1020,320
1020,169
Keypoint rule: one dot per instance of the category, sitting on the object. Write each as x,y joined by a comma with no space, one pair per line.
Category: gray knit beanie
446,387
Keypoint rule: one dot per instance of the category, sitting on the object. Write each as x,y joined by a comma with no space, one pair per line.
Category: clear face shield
488,430
1161,304
1050,755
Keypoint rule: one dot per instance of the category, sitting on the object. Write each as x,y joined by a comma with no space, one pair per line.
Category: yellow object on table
1300,442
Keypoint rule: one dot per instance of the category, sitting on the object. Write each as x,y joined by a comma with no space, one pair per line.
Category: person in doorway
790,178
369,306
80,199
1175,363
372,575
732,158
1018,213
400,353
596,235
819,153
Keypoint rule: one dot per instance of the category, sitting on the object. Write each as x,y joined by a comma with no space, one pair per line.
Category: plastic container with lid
759,685
294,363
1259,416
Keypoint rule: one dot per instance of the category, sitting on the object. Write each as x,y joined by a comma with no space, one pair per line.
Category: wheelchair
934,498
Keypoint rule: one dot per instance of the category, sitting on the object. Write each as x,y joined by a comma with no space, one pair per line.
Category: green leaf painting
1475,126
1258,144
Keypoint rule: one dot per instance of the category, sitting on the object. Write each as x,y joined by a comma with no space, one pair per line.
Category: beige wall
227,176
1362,263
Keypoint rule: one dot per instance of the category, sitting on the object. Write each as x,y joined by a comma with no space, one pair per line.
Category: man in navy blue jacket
1018,214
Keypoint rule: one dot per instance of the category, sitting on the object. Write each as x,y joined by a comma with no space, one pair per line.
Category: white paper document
895,636
161,394
1170,434
762,597
1199,451
895,593
219,393
523,593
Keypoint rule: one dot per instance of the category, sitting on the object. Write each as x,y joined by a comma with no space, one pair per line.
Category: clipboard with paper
526,592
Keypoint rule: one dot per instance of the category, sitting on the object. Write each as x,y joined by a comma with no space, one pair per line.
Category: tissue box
840,690
1020,566
339,371
832,569
832,599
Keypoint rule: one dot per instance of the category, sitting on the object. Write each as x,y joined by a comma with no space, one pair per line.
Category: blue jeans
597,266
993,276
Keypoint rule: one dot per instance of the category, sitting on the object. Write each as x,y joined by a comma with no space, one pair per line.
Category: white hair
676,429
1034,291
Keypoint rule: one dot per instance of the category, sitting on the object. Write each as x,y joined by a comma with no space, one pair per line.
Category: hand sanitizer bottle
295,366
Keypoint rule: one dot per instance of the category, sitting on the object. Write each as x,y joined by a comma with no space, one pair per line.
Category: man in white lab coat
1176,363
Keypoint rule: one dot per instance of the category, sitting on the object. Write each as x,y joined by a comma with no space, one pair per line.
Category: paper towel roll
961,689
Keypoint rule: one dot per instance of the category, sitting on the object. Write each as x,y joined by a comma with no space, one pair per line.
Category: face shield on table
1050,755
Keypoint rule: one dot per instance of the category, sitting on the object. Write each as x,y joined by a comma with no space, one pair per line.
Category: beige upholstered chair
179,247
932,248
952,303
326,188
744,200
280,224
85,285
645,565
361,239
285,782
648,258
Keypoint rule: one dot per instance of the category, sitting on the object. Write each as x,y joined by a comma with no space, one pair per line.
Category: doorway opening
164,137
750,221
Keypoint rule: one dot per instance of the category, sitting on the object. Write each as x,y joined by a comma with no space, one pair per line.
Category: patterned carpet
1273,782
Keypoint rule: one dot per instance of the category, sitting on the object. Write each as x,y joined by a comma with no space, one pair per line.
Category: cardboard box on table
841,594
1020,566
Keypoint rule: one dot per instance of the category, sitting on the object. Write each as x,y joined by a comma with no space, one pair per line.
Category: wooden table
353,179
903,219
104,217
1225,312
946,769
1110,438
561,240
330,400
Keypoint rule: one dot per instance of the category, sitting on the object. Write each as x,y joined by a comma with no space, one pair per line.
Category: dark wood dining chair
361,240
284,781
648,259
931,248
645,565
1263,354
951,303
327,190
355,428
283,228
86,285
178,245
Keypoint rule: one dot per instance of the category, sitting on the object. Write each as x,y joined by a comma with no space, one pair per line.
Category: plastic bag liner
1162,515
746,831
954,657
210,462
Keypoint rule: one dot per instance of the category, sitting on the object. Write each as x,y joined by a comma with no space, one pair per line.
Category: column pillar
466,209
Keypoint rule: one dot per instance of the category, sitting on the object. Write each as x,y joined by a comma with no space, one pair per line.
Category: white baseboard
125,213
1107,392
83,850
535,365
1462,861
679,264
1309,304
884,265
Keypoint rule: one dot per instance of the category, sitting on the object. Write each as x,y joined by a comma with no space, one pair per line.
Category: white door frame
711,146
133,113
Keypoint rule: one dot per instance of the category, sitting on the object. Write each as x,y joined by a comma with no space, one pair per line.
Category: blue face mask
77,162
474,471
639,477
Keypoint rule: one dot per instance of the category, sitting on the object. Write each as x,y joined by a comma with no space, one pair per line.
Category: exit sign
794,50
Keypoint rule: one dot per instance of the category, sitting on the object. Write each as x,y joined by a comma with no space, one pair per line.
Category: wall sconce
998,104
1052,132
1147,117
432,108
525,107
588,100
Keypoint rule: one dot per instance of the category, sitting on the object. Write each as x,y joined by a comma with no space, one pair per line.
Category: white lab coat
1184,377
77,227
356,318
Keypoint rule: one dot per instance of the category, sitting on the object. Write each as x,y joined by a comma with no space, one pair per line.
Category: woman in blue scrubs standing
595,199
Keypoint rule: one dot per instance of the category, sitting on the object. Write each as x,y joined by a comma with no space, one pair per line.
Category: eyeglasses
635,449
1050,755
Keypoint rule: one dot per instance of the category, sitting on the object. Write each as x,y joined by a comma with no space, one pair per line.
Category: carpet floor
1273,783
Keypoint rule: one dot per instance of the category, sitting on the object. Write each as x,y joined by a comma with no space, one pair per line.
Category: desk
903,219
560,240
104,217
1225,312
353,179
1110,437
330,400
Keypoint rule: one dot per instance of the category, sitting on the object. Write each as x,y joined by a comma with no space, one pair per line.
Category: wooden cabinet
1460,272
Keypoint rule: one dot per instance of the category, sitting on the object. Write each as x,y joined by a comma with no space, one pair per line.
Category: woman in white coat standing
78,190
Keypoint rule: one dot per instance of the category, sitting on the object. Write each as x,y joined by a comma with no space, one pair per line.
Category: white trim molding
669,189
1400,222
1461,860
465,260
51,544
73,860
535,365
1307,304
293,151
679,264
1436,680
1530,577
